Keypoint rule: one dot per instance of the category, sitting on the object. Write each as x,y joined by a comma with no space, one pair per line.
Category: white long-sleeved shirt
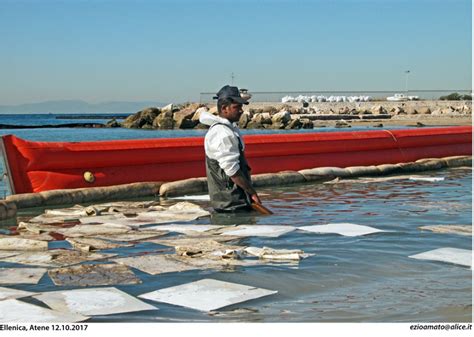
222,143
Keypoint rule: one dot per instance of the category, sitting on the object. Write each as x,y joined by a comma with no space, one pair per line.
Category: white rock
167,108
282,116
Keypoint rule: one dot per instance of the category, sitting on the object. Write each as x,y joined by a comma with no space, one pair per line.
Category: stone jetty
294,115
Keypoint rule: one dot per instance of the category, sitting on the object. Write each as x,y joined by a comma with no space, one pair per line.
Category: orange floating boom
41,166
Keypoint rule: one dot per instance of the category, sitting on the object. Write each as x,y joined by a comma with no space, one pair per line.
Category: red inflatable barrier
41,166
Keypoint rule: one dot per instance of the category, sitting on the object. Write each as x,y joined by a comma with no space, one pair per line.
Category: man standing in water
228,174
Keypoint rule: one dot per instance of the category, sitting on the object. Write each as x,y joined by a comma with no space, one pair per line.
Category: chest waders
225,195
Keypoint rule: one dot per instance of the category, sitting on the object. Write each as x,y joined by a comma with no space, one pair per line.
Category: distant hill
77,106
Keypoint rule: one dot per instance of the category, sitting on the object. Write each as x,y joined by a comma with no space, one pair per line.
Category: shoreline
339,121
292,115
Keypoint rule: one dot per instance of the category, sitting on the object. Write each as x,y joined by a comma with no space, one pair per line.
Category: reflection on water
353,279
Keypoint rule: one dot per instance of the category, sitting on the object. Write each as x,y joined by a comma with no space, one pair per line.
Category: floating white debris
206,243
461,168
130,222
39,237
231,253
161,217
99,301
346,229
92,211
15,311
75,211
207,294
155,264
4,254
9,293
462,257
102,218
192,246
182,211
92,230
29,258
50,218
21,275
187,207
36,228
429,179
222,261
133,236
450,229
203,197
209,235
86,275
277,254
55,258
367,180
91,244
258,230
127,204
123,208
185,229
156,208
17,243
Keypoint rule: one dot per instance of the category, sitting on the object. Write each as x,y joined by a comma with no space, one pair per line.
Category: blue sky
173,50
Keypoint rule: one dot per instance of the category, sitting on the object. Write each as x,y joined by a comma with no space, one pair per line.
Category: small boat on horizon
401,98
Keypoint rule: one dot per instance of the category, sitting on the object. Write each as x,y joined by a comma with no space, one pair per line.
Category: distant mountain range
77,106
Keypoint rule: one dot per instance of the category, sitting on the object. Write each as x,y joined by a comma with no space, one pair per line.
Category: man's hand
240,180
255,198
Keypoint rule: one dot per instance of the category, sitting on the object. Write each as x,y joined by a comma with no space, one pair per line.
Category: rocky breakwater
187,117
269,117
166,118
376,114
298,116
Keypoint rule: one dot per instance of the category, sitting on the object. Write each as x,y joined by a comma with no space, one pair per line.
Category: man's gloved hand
255,198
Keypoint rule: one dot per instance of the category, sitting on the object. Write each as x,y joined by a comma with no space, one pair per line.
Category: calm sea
92,134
